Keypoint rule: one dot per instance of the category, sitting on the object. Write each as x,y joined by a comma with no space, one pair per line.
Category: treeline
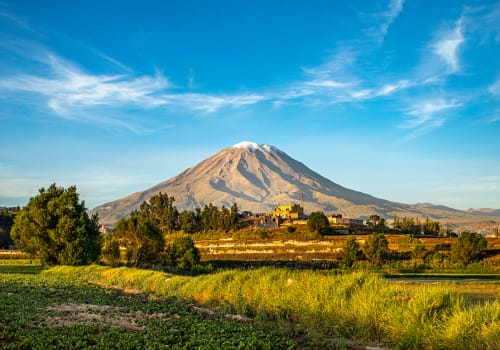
162,211
416,227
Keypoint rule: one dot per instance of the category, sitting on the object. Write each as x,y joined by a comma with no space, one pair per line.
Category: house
292,211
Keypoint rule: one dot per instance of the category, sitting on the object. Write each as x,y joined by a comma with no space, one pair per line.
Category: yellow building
292,211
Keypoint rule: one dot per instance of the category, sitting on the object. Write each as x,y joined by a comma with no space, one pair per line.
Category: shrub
183,254
468,248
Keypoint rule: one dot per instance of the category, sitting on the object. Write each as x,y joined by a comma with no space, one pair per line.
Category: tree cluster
375,222
317,222
416,227
56,228
161,210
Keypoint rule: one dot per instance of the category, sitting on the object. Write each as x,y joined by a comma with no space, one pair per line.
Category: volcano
260,177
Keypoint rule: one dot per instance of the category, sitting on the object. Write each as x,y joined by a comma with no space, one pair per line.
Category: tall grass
360,306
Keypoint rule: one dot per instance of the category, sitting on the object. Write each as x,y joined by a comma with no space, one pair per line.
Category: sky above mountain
398,99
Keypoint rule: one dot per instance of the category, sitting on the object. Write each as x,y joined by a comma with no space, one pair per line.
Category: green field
61,311
266,308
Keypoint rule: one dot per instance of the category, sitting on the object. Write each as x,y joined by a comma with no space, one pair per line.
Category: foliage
350,252
141,238
318,306
60,310
55,227
415,226
469,247
183,254
375,221
291,229
161,210
376,249
189,222
317,221
110,250
6,221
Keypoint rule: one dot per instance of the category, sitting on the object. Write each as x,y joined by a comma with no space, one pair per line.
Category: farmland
51,310
103,307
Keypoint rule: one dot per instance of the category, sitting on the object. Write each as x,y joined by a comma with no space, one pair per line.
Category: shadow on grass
21,269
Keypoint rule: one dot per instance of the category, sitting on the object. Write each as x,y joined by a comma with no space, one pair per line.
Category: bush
183,254
376,249
469,248
317,222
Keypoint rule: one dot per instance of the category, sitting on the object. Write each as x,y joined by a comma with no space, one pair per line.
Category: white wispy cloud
494,88
395,8
72,93
379,21
427,115
447,46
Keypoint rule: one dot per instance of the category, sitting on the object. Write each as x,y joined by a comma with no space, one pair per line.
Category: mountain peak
246,144
254,146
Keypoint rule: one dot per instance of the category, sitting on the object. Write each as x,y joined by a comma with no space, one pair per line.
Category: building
337,219
292,211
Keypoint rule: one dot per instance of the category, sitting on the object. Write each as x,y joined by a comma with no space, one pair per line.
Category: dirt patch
61,315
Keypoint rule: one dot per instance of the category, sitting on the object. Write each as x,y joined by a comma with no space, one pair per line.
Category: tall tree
142,239
376,249
350,252
56,228
469,247
160,208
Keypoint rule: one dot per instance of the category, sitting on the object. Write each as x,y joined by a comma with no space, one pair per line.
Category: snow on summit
247,144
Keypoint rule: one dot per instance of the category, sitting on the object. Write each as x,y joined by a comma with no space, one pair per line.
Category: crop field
105,307
60,311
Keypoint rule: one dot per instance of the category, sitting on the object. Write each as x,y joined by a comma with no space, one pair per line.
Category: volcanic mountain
259,177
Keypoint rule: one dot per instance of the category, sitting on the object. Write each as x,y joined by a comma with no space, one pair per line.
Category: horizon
117,97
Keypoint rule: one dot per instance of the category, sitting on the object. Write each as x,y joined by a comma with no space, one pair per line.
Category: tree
376,249
469,247
375,221
189,222
162,211
142,239
183,254
6,221
110,251
56,228
317,221
350,252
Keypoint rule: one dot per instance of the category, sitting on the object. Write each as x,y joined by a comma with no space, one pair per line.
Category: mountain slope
259,177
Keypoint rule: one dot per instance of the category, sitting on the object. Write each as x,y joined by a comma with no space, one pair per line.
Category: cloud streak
448,44
72,93
427,115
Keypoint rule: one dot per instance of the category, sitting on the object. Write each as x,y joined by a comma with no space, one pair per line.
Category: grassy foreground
325,309
55,309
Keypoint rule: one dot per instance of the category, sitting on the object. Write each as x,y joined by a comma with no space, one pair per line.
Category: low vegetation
60,310
324,309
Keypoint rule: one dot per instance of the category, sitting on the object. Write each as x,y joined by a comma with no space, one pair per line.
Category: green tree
56,228
142,239
6,221
376,249
350,252
189,222
110,251
317,221
183,254
468,247
160,208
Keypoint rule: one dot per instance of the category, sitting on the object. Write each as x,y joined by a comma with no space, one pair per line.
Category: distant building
337,219
292,211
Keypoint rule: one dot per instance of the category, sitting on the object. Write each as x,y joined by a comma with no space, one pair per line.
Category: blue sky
399,99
